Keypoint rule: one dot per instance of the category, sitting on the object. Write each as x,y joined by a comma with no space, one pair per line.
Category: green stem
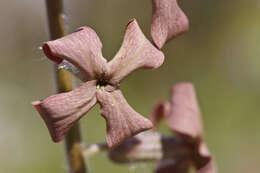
73,147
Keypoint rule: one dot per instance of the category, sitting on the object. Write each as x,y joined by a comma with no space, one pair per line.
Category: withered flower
82,49
168,21
183,116
175,154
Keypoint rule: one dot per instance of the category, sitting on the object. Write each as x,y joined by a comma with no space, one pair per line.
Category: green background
219,54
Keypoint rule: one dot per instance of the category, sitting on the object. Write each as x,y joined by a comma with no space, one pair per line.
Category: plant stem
73,147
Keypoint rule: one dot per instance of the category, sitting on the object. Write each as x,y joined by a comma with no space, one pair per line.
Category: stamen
101,84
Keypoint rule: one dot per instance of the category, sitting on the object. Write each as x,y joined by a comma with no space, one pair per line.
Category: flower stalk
73,147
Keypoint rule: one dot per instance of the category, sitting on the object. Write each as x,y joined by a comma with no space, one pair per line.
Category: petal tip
130,22
57,139
48,52
158,42
185,24
160,110
160,60
36,103
183,86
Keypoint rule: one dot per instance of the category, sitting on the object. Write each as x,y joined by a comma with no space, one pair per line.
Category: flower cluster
82,50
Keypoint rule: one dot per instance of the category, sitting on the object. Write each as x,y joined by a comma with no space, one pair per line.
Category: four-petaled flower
83,50
174,154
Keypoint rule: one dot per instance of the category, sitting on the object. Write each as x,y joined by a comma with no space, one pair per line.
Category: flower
175,154
82,49
168,21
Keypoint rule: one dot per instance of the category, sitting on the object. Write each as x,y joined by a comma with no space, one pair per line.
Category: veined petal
61,111
185,117
168,21
136,52
186,121
82,48
122,121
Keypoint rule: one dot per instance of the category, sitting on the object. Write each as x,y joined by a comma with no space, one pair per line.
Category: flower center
101,83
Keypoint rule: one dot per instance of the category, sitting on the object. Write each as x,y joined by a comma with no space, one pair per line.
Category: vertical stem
64,84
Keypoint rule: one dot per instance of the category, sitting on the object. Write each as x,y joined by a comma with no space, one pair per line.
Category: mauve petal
201,158
210,167
160,111
136,52
185,117
61,111
173,166
82,48
168,21
122,121
186,121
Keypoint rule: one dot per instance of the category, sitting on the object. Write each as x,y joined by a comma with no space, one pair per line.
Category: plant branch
73,147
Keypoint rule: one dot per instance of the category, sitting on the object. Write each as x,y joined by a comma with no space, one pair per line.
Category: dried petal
122,121
168,21
202,159
82,48
160,111
136,52
186,121
210,167
61,111
185,117
173,166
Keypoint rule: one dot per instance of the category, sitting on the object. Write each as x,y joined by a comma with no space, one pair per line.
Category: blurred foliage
219,54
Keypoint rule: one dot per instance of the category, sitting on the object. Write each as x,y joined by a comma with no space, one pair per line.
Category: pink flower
82,49
175,155
183,116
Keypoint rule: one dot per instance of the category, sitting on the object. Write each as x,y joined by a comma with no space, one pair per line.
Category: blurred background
219,54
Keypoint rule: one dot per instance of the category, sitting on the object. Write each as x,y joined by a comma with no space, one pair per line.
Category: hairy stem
73,147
